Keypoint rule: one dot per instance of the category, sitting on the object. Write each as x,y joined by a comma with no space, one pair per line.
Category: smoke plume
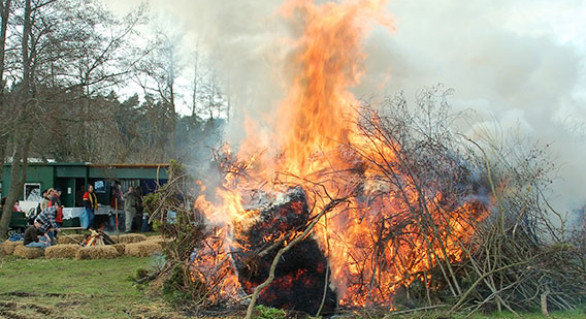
517,65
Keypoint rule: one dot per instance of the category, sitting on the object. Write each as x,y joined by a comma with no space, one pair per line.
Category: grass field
65,288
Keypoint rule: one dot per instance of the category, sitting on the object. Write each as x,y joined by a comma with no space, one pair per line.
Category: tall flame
317,121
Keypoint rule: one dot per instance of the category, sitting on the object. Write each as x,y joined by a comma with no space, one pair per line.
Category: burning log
97,238
301,274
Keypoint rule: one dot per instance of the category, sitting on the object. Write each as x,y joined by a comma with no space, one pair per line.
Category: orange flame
317,121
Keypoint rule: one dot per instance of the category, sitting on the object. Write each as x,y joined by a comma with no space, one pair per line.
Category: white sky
517,63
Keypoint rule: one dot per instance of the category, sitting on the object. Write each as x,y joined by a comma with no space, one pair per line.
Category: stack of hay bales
120,248
70,239
9,246
28,253
97,252
142,249
157,239
62,251
129,238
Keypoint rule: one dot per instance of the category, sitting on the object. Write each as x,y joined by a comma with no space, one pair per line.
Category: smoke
519,67
516,64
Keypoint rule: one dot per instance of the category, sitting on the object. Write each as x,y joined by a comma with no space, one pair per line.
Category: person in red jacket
90,201
55,200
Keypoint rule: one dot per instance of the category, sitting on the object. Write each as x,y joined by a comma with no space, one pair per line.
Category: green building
73,179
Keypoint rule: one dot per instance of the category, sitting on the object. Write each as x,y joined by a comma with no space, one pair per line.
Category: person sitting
46,222
34,238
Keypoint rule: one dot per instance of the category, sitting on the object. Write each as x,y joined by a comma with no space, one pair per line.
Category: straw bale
154,238
28,253
62,251
70,239
160,240
142,249
120,248
130,238
8,246
97,252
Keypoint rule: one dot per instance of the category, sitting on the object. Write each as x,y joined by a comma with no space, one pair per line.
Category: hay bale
97,252
28,253
120,247
160,240
9,246
154,238
70,239
130,238
62,251
142,249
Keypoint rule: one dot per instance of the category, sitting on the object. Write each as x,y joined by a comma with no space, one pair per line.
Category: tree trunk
22,132
4,15
173,125
17,180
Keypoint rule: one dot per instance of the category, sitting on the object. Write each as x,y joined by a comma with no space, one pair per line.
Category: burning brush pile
353,207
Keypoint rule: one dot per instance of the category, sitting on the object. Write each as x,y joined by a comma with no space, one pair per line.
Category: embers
300,276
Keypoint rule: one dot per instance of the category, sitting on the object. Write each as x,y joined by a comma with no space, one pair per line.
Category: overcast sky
516,63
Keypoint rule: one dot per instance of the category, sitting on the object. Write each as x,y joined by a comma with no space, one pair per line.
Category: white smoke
515,63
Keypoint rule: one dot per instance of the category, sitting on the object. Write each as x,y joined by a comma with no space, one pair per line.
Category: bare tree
4,15
157,75
70,52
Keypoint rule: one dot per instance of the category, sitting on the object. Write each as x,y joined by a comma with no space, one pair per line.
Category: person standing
46,200
55,200
130,207
90,202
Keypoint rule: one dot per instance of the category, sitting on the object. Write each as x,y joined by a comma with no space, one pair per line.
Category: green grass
64,288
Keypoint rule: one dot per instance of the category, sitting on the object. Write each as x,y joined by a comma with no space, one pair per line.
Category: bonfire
97,238
350,207
374,227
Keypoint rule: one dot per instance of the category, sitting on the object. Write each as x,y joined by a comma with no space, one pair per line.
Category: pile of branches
519,257
170,209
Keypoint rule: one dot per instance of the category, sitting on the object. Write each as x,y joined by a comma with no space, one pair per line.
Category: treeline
103,129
